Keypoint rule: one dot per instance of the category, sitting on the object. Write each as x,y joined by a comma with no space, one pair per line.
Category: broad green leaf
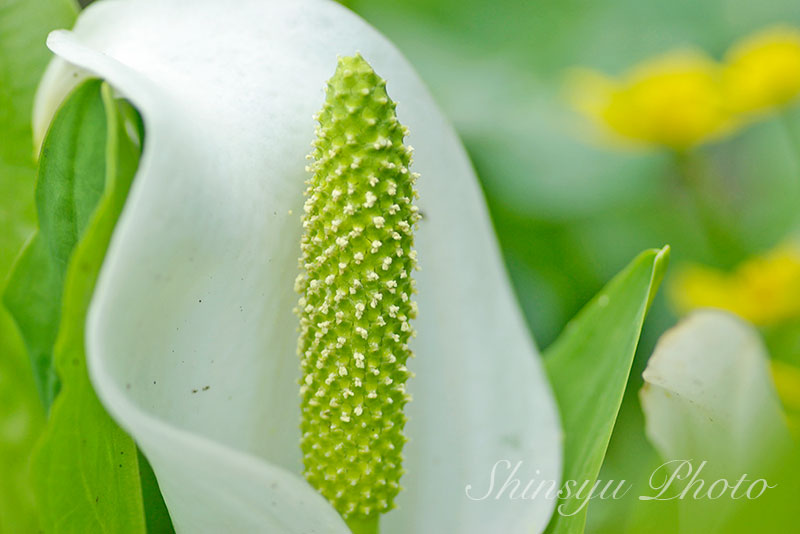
33,297
71,176
589,367
86,471
24,24
21,419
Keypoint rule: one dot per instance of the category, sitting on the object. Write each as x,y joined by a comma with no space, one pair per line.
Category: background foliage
23,28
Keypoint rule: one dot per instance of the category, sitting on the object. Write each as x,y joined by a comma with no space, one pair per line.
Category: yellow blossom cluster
764,290
684,98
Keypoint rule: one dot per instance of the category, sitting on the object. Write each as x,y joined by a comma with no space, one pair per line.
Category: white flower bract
227,91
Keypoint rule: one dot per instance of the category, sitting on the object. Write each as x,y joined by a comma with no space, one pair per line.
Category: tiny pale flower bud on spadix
355,306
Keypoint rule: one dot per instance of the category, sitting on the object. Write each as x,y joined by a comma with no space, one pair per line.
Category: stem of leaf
725,247
360,525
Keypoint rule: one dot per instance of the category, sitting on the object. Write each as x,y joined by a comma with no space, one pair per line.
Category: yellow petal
763,70
675,100
763,290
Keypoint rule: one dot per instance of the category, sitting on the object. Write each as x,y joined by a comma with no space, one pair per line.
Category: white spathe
191,336
709,400
708,395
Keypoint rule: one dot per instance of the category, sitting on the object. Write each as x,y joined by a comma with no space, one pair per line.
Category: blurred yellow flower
763,71
675,100
764,290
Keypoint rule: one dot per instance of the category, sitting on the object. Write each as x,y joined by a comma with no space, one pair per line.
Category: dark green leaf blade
589,366
155,509
70,180
33,297
86,470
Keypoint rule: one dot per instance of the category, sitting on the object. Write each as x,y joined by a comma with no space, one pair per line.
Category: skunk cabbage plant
190,335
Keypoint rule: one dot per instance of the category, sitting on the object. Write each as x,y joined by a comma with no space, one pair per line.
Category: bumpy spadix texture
356,288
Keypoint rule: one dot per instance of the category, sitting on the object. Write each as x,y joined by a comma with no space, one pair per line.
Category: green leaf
86,471
33,297
589,366
24,24
155,509
21,419
72,172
